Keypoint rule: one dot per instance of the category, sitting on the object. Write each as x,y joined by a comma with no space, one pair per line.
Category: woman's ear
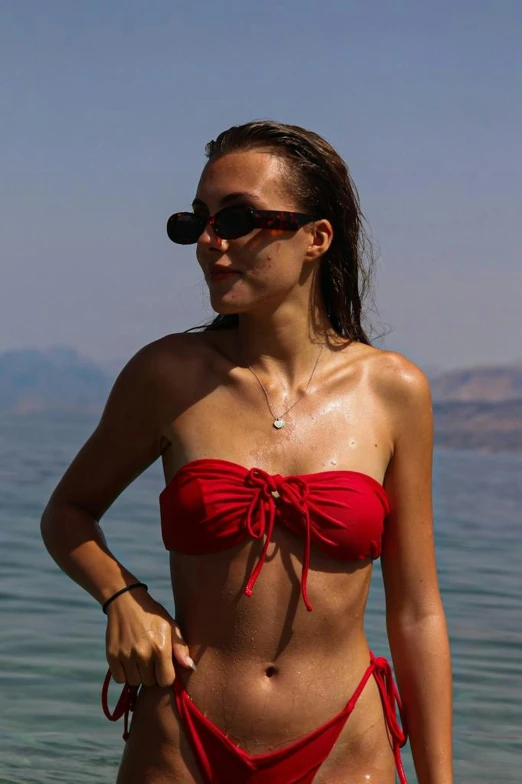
321,236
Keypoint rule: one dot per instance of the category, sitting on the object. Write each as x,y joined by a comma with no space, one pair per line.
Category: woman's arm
124,444
414,613
127,440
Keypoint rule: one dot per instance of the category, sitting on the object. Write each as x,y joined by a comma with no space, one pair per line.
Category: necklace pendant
279,423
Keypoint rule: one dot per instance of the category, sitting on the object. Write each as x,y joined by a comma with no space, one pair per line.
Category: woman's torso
269,671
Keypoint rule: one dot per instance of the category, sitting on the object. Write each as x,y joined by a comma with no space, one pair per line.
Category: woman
294,453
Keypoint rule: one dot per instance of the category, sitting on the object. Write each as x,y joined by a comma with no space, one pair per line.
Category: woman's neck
284,343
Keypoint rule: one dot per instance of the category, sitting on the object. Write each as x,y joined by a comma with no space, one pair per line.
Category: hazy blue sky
106,108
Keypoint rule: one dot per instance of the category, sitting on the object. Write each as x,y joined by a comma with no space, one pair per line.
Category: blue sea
52,658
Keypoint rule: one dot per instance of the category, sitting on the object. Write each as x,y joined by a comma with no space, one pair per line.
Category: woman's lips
221,274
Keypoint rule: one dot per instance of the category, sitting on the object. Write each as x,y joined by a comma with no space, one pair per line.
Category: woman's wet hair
320,184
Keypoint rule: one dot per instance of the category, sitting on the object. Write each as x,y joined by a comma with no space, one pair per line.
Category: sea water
52,657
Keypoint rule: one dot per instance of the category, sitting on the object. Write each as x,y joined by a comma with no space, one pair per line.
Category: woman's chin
224,308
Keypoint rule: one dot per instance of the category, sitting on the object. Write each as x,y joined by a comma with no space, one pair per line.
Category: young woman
295,454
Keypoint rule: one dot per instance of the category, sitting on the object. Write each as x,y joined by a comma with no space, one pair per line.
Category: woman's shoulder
159,376
401,394
395,378
178,361
173,350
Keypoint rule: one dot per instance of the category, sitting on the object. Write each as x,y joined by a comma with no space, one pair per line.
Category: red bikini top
212,504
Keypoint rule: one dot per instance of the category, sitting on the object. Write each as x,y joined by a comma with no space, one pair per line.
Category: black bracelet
119,593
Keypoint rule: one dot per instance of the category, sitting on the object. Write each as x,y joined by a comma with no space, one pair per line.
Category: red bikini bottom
222,762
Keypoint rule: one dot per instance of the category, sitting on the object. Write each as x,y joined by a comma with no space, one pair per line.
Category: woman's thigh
157,751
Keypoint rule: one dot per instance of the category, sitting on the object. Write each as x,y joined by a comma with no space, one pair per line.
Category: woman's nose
209,238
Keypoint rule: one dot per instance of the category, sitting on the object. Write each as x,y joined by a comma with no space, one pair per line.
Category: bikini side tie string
391,703
124,706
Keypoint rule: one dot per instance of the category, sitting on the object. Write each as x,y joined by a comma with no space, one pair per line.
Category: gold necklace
279,422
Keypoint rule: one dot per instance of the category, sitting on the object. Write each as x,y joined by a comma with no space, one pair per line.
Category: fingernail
190,663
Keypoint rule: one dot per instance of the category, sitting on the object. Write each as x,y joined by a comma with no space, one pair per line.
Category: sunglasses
185,228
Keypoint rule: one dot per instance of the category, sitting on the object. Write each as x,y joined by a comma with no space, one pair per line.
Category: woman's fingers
132,673
180,649
146,672
125,670
136,670
146,653
164,669
117,670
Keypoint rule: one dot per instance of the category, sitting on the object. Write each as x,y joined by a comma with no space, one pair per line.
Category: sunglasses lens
234,222
185,228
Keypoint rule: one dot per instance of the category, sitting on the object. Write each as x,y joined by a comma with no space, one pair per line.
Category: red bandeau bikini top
212,504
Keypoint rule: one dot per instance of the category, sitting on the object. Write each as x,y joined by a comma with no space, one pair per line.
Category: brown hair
321,184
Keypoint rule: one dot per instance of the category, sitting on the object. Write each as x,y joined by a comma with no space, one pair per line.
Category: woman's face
264,265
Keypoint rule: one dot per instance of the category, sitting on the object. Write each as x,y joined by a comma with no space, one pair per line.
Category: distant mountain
55,378
489,427
491,384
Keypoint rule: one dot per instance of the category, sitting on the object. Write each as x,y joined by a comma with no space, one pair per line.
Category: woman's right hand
142,641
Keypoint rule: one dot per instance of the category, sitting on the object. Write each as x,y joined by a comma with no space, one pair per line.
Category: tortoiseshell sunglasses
185,228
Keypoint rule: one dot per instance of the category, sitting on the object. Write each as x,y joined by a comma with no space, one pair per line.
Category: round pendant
279,423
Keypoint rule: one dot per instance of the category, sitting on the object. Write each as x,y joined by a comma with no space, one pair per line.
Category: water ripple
52,657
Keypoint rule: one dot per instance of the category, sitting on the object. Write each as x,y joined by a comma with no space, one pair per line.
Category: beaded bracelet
119,593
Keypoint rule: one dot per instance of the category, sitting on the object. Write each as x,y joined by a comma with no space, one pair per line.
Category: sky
106,108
